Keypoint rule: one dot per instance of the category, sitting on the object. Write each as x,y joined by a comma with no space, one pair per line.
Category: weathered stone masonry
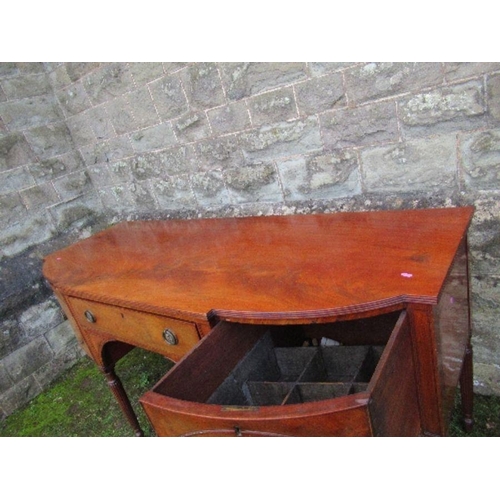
84,145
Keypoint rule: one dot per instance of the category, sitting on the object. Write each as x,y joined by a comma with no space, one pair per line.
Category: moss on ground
81,404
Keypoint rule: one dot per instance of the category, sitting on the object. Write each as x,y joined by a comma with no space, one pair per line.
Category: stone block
100,123
59,77
376,80
26,360
39,196
256,183
172,67
353,127
73,99
209,188
59,335
5,381
3,97
100,175
461,70
14,151
145,72
107,82
29,231
323,68
203,85
246,79
169,97
15,180
26,86
179,160
11,209
275,106
493,93
485,298
282,140
486,379
40,319
458,107
61,362
320,94
321,177
73,185
121,116
142,196
422,165
147,166
77,70
116,198
157,137
19,395
484,236
22,286
481,160
121,171
143,109
231,118
193,126
80,130
31,67
10,334
77,213
8,69
50,140
175,161
174,192
30,112
106,151
53,168
219,153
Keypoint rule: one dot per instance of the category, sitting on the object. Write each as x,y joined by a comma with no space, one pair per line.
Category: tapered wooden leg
466,389
116,387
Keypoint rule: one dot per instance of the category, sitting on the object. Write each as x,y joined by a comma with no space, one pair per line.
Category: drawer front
245,379
343,418
167,336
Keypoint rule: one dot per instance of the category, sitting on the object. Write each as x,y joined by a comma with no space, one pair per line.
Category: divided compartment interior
258,365
270,375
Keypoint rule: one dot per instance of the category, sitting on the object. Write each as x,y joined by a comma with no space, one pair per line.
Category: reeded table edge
364,309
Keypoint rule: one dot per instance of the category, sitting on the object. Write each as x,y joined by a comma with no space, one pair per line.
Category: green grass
81,404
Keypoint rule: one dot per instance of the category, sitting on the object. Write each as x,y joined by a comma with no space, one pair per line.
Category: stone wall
83,145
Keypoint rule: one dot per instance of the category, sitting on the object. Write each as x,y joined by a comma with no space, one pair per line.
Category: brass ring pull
169,337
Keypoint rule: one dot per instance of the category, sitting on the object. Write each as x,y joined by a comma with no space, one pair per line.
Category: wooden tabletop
265,268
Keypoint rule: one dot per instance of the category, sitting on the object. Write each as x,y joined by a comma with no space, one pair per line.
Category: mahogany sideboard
345,324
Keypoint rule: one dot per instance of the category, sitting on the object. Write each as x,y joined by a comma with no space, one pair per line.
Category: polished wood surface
342,276
141,329
399,393
266,268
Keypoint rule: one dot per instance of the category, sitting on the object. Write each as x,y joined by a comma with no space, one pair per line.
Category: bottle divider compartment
270,375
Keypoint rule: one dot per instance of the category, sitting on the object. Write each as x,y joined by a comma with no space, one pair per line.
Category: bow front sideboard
345,324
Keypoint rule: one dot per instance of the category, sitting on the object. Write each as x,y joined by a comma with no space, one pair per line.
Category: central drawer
167,336
314,380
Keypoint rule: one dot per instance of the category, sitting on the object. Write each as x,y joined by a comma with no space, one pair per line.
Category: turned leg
466,389
121,396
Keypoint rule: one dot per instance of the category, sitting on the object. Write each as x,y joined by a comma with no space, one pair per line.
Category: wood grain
266,269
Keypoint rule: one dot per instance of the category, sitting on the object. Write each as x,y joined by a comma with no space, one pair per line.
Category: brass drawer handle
169,337
89,316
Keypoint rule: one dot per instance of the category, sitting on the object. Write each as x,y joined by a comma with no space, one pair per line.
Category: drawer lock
169,337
